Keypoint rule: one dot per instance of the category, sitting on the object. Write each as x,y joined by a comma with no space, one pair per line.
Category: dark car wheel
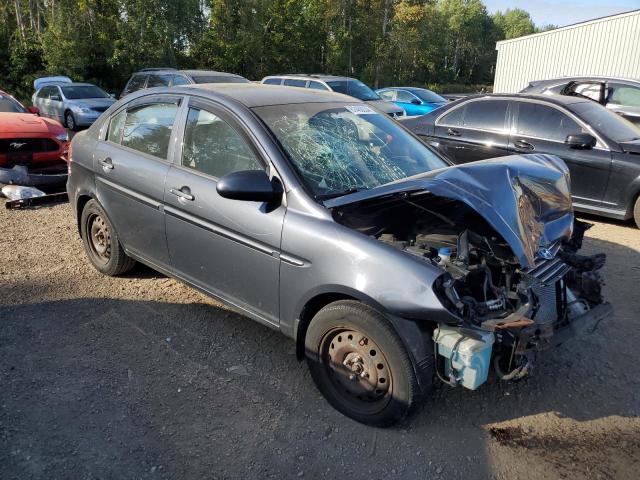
101,241
636,212
359,363
70,121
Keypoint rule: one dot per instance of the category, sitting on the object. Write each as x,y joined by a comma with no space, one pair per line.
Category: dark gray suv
322,218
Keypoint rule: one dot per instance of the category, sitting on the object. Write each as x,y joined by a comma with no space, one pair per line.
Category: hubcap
99,238
358,370
70,122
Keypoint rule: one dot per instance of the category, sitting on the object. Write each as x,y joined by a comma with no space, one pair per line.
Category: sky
566,12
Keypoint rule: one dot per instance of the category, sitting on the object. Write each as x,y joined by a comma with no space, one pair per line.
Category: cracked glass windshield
340,149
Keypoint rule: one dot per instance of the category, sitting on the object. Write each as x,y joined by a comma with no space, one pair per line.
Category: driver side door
229,248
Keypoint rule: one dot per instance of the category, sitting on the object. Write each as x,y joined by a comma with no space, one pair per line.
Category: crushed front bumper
537,337
20,175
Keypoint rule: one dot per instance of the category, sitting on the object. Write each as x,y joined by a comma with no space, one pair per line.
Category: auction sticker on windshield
360,110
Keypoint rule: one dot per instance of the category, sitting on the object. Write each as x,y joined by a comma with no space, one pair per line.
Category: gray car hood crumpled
525,198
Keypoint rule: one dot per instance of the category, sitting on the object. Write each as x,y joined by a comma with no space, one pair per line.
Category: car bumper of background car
22,175
86,119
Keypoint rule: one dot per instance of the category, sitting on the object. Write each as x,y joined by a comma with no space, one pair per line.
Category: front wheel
70,121
359,363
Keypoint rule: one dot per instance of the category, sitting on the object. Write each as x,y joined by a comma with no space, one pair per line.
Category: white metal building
608,46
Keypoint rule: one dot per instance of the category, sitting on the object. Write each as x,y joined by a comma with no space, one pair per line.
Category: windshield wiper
328,196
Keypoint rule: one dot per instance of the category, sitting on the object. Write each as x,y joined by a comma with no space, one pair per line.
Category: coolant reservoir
466,359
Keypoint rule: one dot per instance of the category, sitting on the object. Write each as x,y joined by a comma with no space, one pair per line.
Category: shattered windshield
339,149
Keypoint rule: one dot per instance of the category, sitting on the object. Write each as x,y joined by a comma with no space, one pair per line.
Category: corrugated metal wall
608,46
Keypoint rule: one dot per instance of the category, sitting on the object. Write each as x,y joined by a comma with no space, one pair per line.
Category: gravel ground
142,377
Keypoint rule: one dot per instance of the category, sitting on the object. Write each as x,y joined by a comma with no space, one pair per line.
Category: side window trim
224,114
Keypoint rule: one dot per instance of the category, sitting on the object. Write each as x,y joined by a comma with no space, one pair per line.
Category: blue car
415,101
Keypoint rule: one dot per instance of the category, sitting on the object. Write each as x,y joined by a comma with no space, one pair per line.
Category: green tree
514,23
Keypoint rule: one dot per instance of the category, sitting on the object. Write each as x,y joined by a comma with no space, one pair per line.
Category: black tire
101,242
70,121
347,338
636,212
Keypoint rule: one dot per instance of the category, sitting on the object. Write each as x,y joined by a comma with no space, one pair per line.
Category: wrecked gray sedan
322,218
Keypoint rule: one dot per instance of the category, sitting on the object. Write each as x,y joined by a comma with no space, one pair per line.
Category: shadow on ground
112,388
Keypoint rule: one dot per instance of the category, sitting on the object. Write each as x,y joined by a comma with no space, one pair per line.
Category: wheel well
82,201
309,311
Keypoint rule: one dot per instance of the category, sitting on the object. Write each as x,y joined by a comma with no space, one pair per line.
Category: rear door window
544,122
486,115
453,118
295,82
158,80
316,85
147,128
273,81
179,80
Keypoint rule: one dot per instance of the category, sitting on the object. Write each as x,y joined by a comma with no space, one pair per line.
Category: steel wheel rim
70,122
99,238
357,370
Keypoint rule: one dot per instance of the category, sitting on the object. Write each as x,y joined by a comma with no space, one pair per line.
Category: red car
33,150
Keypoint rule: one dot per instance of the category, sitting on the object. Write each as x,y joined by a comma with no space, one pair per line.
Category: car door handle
106,163
183,193
453,133
522,145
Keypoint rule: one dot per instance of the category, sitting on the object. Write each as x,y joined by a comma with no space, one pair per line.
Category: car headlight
84,110
63,137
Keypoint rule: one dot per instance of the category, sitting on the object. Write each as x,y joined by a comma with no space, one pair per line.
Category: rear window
273,81
219,79
354,88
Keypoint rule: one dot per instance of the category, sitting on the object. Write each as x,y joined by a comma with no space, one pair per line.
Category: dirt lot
142,377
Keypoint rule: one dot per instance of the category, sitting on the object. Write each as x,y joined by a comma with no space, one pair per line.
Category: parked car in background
74,104
601,149
33,149
345,85
324,219
170,77
414,101
621,95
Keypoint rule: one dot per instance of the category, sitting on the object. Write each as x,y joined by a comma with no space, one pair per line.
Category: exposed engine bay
506,312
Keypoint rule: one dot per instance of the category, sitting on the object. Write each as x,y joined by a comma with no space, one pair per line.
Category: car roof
585,78
555,99
311,76
186,72
260,95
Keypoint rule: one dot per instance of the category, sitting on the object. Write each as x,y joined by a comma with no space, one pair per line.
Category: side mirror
249,185
580,141
415,101
33,109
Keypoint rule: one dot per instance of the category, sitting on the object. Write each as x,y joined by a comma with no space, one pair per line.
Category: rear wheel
101,241
636,212
359,363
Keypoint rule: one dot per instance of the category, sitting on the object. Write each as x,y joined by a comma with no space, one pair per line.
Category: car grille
99,109
548,272
10,146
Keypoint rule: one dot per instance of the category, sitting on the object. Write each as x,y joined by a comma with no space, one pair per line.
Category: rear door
542,128
131,165
475,130
56,104
229,248
42,101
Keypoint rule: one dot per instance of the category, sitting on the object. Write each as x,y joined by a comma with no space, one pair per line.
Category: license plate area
14,159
